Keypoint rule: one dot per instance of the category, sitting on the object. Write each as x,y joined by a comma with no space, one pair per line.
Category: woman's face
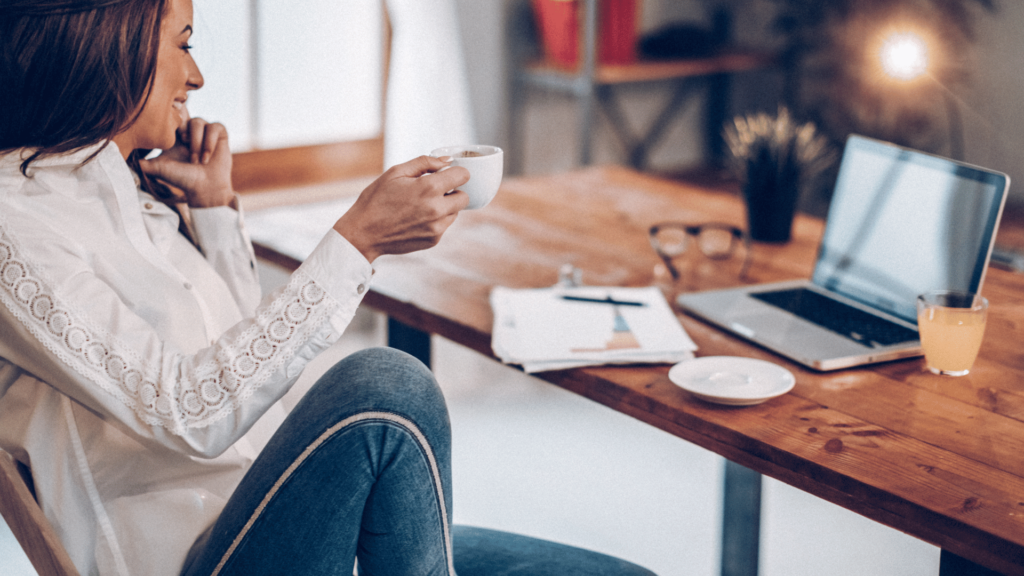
176,74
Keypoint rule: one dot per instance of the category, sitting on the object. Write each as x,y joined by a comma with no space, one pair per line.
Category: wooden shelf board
651,70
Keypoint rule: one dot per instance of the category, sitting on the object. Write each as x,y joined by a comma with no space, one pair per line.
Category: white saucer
732,380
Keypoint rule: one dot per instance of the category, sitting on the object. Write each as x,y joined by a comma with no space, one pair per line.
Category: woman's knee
374,358
381,379
385,367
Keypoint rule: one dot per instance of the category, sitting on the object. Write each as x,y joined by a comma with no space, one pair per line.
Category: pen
605,300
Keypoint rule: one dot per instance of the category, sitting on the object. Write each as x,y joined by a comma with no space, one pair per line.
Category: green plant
777,160
778,145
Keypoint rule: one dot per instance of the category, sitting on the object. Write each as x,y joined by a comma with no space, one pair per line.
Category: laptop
901,223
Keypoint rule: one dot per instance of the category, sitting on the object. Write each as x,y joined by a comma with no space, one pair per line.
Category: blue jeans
362,469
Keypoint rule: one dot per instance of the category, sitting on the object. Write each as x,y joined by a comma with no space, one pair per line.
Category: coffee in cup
485,164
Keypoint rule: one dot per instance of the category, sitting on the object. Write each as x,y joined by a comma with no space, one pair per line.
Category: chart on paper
554,328
622,337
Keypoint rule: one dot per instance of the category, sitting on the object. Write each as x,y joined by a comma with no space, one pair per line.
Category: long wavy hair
75,73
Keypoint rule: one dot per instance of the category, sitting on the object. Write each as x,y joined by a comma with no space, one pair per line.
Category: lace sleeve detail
161,388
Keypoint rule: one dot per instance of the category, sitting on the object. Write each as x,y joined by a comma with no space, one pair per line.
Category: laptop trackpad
781,330
771,327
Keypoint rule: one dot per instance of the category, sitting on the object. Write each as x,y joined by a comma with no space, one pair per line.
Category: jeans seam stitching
358,418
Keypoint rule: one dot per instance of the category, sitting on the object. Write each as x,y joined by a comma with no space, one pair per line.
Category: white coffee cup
485,164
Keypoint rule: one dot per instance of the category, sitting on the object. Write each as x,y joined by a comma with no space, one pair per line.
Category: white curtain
428,104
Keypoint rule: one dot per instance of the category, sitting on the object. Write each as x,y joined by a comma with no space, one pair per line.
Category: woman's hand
407,209
199,164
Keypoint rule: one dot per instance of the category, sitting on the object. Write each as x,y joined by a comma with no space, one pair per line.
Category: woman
139,365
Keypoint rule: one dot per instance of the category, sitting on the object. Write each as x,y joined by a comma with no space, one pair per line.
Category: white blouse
132,366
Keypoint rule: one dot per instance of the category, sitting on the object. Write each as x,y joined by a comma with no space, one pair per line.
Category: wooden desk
936,457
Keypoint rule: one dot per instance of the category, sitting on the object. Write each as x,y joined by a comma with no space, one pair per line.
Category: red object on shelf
560,27
617,44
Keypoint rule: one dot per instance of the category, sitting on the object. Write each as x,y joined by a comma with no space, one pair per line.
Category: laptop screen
903,222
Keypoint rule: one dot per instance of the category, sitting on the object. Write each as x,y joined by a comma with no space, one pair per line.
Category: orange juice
951,337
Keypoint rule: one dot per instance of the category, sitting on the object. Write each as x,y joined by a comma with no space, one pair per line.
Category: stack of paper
557,328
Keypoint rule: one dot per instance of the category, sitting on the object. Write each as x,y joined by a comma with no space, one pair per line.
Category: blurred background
530,457
279,76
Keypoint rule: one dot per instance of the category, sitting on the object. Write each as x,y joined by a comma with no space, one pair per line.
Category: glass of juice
951,325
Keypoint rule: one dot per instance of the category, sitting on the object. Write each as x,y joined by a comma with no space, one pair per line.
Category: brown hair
74,72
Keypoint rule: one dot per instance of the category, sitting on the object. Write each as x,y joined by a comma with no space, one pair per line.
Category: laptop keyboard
845,320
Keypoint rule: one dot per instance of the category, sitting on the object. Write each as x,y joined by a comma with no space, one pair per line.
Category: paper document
556,328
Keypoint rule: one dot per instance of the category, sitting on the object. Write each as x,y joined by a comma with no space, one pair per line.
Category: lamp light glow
904,56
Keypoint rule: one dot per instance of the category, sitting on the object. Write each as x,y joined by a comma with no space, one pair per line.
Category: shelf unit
593,86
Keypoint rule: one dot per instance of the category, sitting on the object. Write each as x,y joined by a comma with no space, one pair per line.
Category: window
280,73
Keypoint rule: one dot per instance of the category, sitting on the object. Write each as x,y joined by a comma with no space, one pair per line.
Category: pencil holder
775,159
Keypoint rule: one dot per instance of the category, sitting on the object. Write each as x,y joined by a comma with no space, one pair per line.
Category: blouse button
148,205
361,288
188,285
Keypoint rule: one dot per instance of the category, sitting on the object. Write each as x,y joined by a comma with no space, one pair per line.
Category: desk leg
741,527
952,565
741,520
408,339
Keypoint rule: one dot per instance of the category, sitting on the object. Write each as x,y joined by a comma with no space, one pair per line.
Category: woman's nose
195,77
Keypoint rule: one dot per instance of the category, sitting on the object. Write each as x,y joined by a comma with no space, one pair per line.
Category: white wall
994,103
220,40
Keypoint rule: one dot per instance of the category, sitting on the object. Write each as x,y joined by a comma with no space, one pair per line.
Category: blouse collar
73,157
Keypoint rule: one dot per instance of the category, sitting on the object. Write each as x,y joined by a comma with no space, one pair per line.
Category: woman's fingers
199,164
433,178
439,176
439,170
442,185
419,166
191,138
450,179
155,168
202,139
407,209
212,137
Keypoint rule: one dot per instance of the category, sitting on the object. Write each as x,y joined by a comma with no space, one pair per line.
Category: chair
22,513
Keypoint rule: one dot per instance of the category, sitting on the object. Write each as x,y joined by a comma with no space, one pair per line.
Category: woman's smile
164,112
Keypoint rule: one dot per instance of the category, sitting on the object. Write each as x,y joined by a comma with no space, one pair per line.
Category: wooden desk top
940,458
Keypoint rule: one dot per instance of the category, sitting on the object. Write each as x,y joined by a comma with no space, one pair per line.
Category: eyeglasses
715,240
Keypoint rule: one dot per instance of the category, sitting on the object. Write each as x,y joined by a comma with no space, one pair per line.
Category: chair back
25,518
